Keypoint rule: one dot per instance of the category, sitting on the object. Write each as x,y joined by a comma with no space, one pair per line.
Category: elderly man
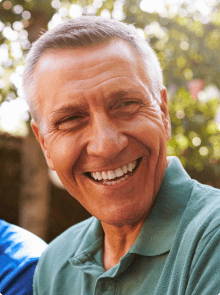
99,110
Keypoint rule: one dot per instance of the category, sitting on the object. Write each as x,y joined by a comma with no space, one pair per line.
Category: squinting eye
127,103
69,119
71,122
72,118
126,107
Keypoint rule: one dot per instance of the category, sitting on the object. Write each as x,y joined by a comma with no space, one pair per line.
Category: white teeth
125,169
111,174
93,174
134,164
104,175
119,172
130,167
115,182
98,175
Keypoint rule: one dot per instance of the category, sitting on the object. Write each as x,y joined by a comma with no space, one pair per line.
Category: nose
106,139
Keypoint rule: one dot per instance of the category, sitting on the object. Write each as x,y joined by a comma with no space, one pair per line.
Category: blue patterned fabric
19,253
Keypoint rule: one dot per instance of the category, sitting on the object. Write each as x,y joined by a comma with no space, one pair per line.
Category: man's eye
70,122
127,103
127,107
72,118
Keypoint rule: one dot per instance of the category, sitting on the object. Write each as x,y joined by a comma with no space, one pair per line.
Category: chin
120,218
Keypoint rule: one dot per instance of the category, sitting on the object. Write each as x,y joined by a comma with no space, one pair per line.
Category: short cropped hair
83,32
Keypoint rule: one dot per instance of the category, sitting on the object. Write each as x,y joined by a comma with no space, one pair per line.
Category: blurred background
186,37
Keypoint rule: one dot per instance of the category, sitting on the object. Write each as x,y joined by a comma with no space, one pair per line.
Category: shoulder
194,257
65,245
56,266
204,205
202,238
201,217
74,234
55,261
194,261
202,191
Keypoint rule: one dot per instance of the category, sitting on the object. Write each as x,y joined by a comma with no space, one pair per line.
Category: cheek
64,152
148,132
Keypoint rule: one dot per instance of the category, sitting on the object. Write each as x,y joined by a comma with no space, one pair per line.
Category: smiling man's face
103,133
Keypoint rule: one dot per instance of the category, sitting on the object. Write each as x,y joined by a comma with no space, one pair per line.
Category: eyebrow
124,93
67,108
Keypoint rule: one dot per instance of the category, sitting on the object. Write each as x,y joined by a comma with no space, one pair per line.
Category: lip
139,160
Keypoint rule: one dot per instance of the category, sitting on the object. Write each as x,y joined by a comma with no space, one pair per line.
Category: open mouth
116,176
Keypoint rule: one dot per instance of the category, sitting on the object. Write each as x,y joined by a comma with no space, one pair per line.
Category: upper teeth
111,174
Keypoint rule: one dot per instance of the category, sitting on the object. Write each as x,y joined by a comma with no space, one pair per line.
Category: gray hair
83,32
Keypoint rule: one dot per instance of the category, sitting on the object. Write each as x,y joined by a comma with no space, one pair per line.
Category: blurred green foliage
195,134
186,41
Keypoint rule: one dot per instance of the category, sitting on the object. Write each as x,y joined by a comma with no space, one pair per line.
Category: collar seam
87,252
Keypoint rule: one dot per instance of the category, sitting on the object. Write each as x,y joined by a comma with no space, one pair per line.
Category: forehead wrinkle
87,79
47,62
89,73
93,66
124,85
96,85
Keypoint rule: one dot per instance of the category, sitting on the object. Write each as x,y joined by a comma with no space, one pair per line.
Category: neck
117,241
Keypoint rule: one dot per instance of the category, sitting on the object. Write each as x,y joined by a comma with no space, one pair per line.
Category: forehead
87,57
83,70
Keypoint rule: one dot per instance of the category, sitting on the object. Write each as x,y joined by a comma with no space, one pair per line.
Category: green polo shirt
176,252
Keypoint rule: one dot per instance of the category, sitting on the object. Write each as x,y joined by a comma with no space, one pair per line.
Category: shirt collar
93,239
158,231
86,257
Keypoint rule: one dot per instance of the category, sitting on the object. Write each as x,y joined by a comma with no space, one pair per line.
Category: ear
165,113
40,138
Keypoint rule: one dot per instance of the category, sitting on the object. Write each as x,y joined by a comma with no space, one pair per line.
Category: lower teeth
113,182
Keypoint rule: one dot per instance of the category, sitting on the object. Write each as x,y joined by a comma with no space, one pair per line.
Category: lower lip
123,181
